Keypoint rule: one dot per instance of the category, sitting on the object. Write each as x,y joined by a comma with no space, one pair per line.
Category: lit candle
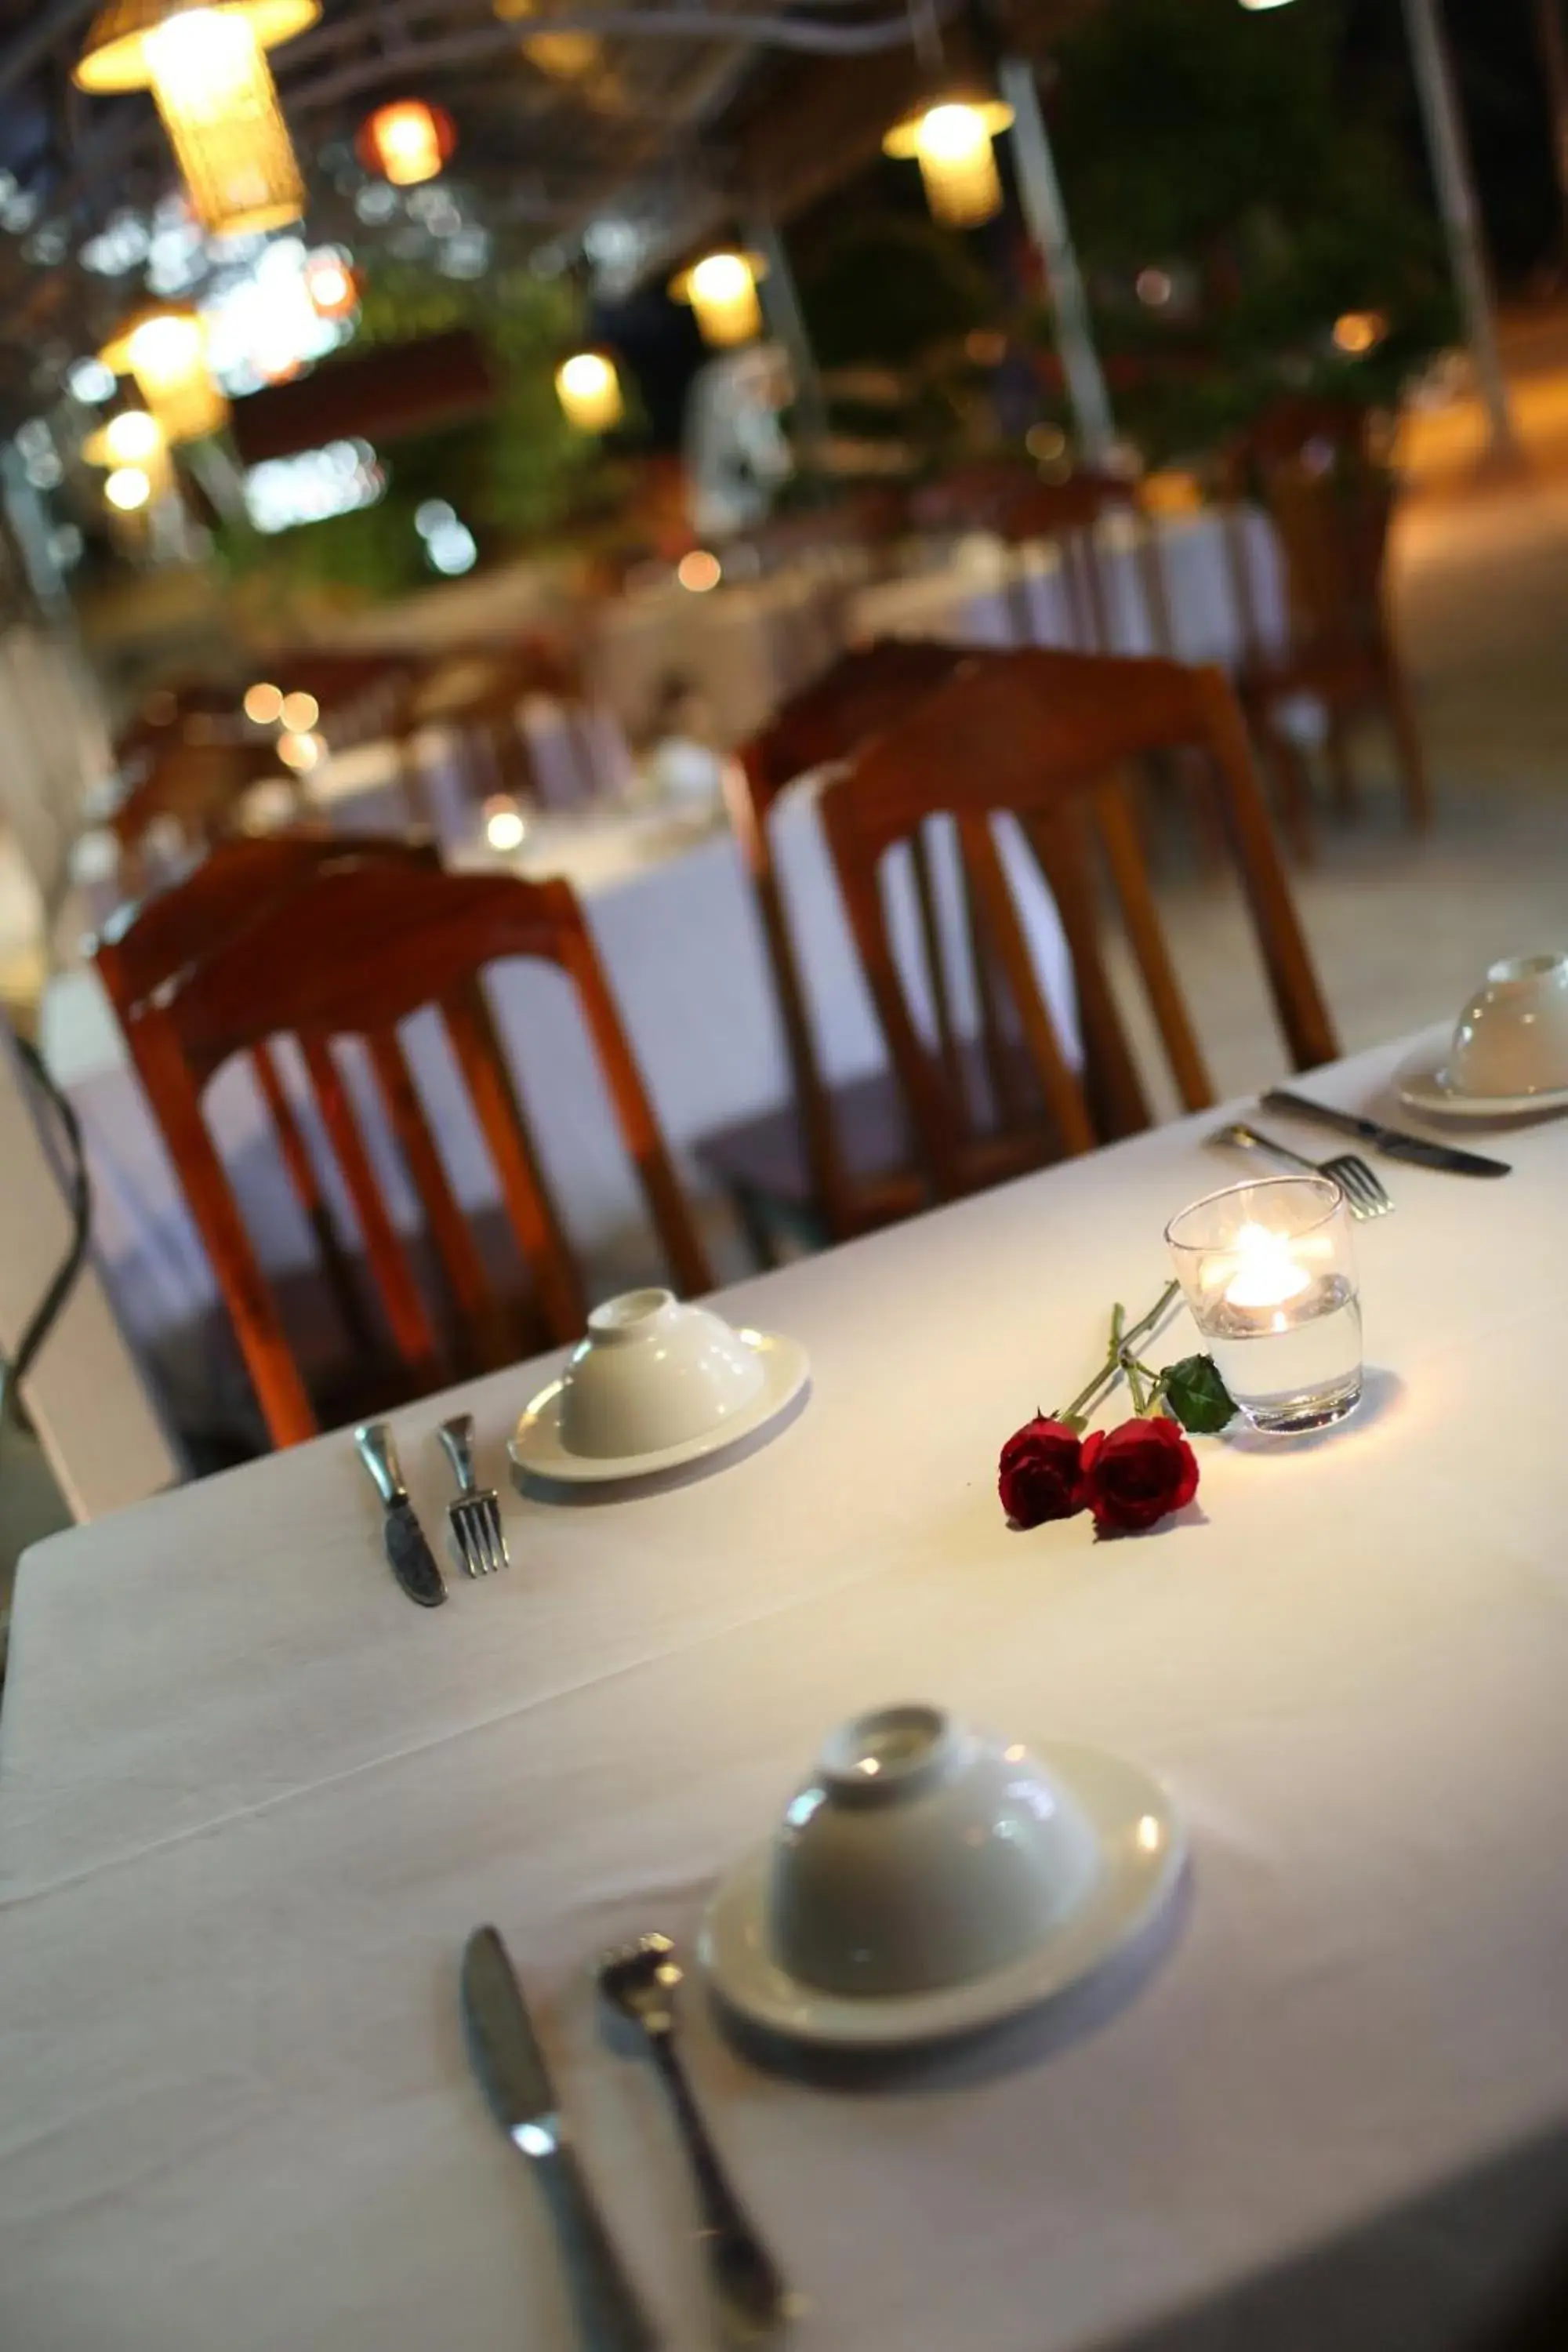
1268,1274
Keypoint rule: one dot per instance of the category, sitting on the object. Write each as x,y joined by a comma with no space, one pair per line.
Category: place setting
1508,1058
925,1886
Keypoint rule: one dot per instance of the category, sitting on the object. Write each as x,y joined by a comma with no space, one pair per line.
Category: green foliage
1218,145
899,296
516,474
886,290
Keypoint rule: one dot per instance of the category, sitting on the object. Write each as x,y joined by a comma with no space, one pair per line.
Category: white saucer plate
1142,1854
536,1445
1427,1086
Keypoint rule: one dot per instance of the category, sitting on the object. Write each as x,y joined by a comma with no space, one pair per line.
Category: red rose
1040,1474
1137,1473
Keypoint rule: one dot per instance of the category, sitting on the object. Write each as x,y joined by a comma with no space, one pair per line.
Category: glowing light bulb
128,488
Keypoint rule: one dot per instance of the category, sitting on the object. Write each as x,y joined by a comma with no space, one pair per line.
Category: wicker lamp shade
115,56
214,91
406,141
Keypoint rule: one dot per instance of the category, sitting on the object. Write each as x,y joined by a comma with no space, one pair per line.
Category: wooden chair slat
412,1331
667,1203
527,1202
1110,1079
448,1228
1125,855
1062,1091
245,1292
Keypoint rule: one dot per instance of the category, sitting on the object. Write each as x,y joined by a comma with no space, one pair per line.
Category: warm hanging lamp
331,284
210,81
589,391
164,347
131,437
950,136
722,290
406,141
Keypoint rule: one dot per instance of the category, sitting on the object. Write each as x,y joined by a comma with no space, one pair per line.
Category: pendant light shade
406,141
589,391
722,290
951,139
164,347
214,91
208,74
115,57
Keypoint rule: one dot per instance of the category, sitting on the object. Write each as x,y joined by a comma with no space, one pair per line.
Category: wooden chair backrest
1316,467
865,690
351,954
196,784
1057,730
145,944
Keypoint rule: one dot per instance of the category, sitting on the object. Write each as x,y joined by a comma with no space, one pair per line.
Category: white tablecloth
674,919
251,1802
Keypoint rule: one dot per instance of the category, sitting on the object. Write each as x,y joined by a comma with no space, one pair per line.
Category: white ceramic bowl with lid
652,1374
921,1855
1512,1035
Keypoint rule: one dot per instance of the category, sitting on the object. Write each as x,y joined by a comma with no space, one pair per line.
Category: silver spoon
640,1983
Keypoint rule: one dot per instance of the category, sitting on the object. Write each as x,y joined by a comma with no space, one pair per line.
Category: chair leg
752,1216
1408,746
1293,789
1341,776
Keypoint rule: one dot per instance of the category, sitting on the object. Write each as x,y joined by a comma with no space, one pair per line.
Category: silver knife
408,1555
512,2074
1393,1141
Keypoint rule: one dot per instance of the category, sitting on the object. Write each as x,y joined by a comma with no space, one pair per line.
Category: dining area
905,1846
783,1042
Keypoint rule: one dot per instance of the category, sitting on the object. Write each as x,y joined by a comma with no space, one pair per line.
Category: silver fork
475,1517
1361,1186
747,2286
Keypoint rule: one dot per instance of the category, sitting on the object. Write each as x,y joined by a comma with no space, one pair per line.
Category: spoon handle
746,2281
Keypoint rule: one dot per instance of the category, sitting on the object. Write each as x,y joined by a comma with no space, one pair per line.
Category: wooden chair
475,691
1059,730
1315,467
835,1161
351,952
146,945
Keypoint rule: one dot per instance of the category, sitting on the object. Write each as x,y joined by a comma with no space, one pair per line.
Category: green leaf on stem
1197,1396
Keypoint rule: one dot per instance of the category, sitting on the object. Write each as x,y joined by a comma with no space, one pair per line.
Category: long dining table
251,1803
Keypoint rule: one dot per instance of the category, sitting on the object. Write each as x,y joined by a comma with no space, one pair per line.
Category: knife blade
509,2067
408,1555
1393,1141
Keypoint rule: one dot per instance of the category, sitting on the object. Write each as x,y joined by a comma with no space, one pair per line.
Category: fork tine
471,1537
1349,1177
479,1518
497,1531
1372,1185
1363,1186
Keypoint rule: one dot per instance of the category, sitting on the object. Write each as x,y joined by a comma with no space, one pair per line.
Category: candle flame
1268,1271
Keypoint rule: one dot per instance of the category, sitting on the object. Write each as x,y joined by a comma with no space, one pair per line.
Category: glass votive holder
1269,1276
